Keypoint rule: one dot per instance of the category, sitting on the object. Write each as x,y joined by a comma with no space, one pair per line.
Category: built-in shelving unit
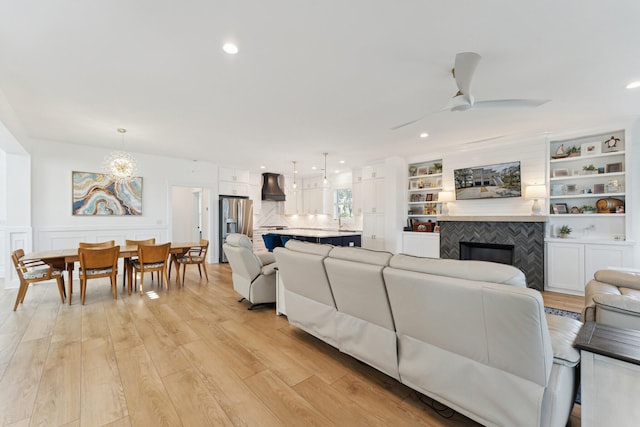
424,185
587,186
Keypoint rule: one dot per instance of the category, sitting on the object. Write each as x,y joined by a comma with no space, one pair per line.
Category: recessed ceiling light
424,135
230,48
313,168
634,85
263,167
342,162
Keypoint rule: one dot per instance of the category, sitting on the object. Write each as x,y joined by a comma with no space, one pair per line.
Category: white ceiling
311,76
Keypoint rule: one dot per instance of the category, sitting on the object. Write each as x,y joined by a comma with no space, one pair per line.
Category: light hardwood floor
192,356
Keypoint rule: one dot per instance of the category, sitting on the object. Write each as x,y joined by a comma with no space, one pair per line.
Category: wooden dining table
65,259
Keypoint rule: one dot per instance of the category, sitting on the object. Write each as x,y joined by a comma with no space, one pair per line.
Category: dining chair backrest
15,257
151,241
107,244
152,253
97,257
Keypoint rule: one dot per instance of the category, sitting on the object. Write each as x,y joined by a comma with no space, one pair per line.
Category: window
342,203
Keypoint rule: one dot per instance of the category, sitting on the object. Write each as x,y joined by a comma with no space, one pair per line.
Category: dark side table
610,375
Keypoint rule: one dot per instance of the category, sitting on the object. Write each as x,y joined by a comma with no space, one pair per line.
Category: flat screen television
488,182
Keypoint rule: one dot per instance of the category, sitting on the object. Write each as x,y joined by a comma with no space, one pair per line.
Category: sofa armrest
624,279
266,257
269,269
563,332
618,303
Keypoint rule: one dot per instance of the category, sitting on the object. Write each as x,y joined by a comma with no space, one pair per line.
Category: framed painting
96,194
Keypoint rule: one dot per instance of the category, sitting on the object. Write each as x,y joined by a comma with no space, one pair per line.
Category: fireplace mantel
494,218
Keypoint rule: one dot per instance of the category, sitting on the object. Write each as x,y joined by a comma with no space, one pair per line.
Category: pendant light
325,180
294,175
120,166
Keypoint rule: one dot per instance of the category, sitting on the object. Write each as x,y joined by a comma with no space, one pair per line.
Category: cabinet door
373,172
233,189
421,244
357,196
373,196
233,175
312,199
373,232
600,257
565,267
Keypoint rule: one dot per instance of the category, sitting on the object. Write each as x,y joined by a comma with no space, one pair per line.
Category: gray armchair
613,298
253,274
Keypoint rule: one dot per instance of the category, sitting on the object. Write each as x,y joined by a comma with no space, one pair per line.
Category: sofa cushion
469,270
361,255
563,331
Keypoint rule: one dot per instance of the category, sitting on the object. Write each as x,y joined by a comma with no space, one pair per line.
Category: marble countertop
319,233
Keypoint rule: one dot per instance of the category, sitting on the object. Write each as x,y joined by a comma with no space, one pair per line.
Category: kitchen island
332,237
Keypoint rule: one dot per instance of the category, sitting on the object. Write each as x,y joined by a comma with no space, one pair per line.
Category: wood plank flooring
192,356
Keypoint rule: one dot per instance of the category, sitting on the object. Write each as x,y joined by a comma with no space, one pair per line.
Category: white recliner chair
253,274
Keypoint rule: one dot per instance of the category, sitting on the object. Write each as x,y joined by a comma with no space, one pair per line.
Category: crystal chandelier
120,165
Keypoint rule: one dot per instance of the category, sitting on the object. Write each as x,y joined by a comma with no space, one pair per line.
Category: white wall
55,227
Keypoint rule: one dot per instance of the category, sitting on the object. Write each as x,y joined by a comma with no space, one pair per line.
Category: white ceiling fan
465,66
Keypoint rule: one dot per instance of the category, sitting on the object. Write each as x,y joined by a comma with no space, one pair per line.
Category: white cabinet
293,200
373,171
233,182
373,196
373,231
421,244
565,268
570,265
357,192
233,175
233,189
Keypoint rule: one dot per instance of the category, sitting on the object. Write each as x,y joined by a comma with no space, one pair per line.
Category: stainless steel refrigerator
236,216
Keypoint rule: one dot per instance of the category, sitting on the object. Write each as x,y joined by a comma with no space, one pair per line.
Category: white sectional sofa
469,334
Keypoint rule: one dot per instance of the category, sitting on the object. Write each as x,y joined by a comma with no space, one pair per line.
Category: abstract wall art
96,194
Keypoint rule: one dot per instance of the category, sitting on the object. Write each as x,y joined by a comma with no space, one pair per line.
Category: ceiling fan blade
510,103
465,66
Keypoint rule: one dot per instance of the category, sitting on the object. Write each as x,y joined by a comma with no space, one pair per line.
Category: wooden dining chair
151,258
129,261
34,271
95,263
107,244
196,255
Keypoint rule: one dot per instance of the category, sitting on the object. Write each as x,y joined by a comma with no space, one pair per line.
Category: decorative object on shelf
413,185
423,170
557,189
564,231
608,205
573,151
96,194
120,165
612,186
614,167
437,167
575,210
560,208
610,145
421,183
586,209
589,169
430,209
590,148
571,189
445,197
423,226
598,188
560,172
535,192
413,170
429,197
560,154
